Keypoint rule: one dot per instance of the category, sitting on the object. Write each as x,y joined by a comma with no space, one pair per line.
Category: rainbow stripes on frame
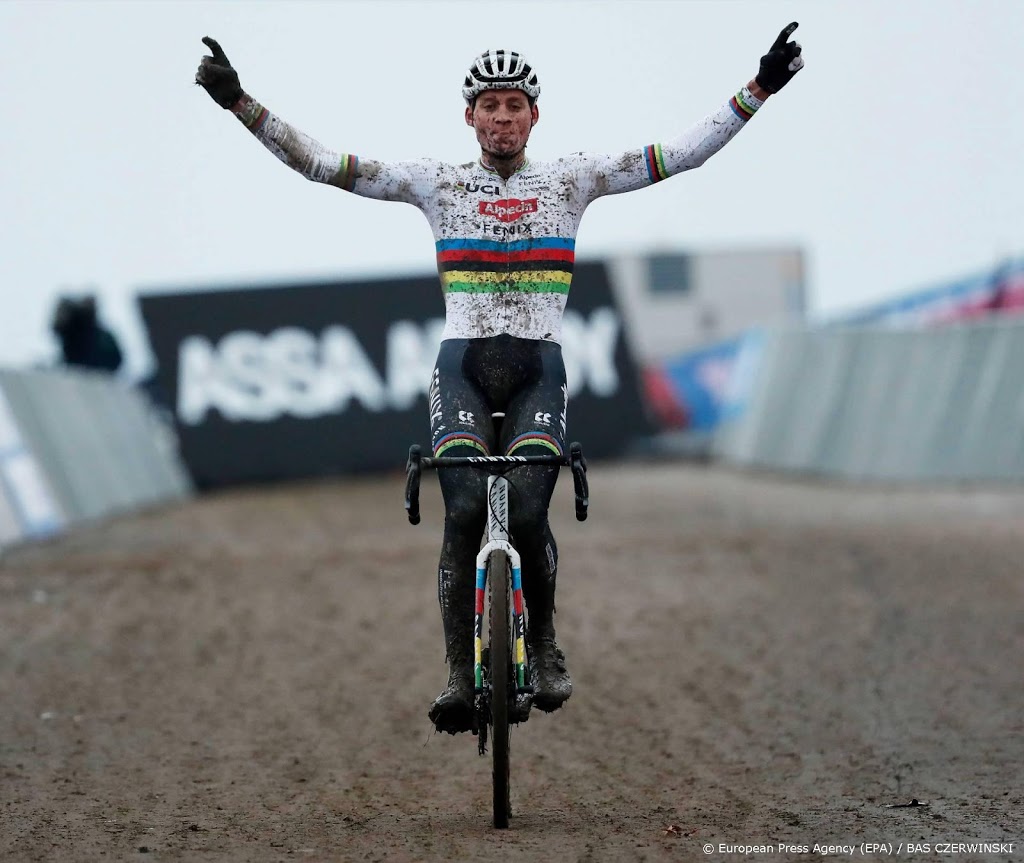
518,627
478,628
542,265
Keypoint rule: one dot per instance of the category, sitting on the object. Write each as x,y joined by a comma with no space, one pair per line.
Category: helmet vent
499,69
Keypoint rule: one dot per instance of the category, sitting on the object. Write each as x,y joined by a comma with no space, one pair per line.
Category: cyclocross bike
504,693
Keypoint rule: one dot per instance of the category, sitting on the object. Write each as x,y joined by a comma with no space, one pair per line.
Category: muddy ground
757,660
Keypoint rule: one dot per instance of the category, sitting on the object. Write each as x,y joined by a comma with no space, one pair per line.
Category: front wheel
500,636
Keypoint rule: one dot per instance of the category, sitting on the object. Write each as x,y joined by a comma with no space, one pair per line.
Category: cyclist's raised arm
299,151
635,169
385,181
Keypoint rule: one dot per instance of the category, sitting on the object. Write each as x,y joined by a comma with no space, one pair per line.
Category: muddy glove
217,77
781,63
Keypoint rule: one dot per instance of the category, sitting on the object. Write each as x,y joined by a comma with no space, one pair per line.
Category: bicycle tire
500,641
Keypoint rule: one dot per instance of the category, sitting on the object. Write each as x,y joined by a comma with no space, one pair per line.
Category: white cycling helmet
499,69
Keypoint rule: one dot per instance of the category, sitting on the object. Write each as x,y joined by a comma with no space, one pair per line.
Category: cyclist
505,230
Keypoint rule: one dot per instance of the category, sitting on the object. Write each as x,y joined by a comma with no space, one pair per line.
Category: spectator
83,341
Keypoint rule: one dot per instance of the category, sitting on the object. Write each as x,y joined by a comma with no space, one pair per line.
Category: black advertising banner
305,380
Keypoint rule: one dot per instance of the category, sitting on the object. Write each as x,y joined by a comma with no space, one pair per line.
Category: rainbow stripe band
260,120
519,624
253,115
656,169
502,283
460,439
527,258
460,244
346,176
543,265
478,629
535,439
742,105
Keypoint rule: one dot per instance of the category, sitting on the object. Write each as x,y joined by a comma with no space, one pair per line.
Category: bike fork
498,540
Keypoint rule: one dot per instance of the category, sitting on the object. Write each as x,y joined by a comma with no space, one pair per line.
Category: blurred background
835,292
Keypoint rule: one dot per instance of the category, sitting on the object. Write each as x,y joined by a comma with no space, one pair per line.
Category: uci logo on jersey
508,209
486,188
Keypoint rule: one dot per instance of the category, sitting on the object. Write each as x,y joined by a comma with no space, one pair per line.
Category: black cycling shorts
475,378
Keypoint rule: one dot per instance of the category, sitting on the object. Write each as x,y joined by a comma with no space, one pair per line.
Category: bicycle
501,671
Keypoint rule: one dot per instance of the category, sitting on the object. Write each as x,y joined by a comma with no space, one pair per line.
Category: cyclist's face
503,120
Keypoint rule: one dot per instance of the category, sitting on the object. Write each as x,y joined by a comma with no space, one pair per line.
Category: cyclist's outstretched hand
781,63
217,77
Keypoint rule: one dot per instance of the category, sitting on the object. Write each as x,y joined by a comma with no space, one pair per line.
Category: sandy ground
757,661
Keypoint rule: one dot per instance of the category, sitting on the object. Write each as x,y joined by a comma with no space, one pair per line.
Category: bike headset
498,69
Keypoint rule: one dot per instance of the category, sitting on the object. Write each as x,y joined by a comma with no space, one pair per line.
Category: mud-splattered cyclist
505,235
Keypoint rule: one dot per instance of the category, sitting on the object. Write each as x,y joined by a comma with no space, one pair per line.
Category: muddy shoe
452,710
552,685
521,709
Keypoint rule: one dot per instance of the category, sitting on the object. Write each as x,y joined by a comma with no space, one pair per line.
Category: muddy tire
499,581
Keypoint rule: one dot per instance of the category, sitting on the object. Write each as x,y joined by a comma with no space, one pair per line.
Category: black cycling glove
217,77
781,63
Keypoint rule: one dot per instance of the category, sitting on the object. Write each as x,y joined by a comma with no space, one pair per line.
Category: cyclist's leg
535,424
460,424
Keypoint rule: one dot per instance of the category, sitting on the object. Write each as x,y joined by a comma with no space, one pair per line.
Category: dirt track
245,678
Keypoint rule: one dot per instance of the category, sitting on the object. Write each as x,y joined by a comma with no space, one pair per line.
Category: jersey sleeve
406,182
635,169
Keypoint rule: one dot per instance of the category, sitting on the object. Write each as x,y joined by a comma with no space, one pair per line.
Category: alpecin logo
508,209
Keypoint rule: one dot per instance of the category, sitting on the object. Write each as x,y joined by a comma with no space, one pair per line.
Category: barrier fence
78,445
877,403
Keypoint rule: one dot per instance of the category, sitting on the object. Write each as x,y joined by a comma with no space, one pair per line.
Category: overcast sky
894,158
